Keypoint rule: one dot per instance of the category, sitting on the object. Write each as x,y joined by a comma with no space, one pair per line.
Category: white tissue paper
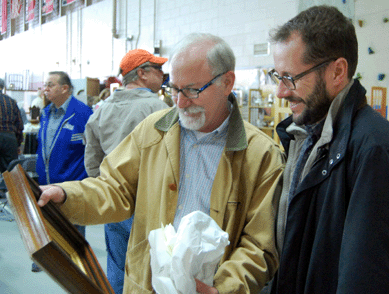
193,252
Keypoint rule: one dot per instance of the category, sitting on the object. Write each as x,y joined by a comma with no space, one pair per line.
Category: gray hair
220,57
64,79
132,76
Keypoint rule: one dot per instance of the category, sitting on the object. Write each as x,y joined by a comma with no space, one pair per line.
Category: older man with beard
199,156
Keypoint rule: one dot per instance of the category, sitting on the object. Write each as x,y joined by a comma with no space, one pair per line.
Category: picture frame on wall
51,240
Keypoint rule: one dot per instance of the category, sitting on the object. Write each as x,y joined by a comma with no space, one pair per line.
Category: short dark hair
64,79
327,34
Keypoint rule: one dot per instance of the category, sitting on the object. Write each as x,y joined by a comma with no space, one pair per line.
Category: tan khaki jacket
142,175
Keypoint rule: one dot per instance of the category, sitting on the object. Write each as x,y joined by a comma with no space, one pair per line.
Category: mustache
192,109
294,99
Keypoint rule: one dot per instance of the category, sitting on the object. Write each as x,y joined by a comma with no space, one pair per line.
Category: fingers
45,187
204,288
53,193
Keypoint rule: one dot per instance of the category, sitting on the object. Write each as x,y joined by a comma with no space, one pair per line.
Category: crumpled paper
192,252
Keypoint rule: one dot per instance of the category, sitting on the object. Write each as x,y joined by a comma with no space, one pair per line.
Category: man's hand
53,193
204,288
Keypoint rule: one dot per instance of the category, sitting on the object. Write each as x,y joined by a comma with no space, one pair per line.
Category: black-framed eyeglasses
289,81
190,92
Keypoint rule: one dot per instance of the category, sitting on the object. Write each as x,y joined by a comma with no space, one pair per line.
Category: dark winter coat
337,230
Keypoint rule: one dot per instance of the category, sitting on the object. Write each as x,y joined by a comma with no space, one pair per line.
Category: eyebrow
284,74
187,86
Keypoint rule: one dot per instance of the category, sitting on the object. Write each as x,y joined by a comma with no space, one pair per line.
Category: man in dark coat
333,217
11,129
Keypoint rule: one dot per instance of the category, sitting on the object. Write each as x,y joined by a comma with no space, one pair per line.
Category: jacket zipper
47,159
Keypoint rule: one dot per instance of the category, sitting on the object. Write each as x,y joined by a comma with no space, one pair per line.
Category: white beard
192,123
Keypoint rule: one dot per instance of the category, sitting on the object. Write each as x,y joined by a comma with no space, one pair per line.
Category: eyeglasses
157,67
190,92
289,81
49,85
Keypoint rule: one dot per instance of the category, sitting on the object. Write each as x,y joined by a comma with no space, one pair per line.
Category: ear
228,82
141,74
339,73
65,88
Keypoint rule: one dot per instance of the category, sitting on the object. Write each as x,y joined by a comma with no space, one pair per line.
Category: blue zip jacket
64,161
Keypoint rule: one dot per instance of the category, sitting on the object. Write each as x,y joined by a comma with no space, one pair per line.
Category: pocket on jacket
138,269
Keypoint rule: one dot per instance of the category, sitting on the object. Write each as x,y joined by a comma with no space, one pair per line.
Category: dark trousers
8,149
81,229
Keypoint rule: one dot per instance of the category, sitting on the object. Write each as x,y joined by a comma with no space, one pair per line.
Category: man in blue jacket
61,145
333,217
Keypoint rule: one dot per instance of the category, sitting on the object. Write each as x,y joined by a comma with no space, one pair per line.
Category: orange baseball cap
137,57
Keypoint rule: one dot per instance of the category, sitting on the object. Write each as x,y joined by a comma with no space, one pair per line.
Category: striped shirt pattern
11,120
199,159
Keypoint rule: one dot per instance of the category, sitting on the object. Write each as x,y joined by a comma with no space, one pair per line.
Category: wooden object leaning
51,240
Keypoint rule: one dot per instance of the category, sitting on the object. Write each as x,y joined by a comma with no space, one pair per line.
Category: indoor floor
16,276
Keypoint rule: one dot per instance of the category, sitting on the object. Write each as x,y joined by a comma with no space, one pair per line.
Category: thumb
53,193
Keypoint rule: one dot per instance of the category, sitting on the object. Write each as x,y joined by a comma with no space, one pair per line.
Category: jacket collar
69,108
236,136
131,94
328,158
354,100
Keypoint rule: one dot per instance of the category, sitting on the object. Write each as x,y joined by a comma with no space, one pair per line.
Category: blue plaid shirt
55,119
199,159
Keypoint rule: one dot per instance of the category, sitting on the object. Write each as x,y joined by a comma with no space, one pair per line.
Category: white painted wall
374,33
82,42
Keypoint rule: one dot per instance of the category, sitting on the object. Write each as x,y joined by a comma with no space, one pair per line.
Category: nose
182,101
283,91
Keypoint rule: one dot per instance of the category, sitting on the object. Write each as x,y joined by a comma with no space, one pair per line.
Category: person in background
11,129
333,218
112,80
22,112
104,94
109,125
198,156
91,101
61,145
39,101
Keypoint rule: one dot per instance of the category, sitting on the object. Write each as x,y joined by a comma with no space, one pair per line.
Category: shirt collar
220,129
64,106
236,135
145,89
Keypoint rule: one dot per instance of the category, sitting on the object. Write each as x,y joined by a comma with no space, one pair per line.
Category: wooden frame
378,99
51,240
256,107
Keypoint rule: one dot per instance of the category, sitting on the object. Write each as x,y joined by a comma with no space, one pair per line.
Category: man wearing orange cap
109,125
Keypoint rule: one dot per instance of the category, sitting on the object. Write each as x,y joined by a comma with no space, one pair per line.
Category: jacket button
331,161
338,156
173,187
324,172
